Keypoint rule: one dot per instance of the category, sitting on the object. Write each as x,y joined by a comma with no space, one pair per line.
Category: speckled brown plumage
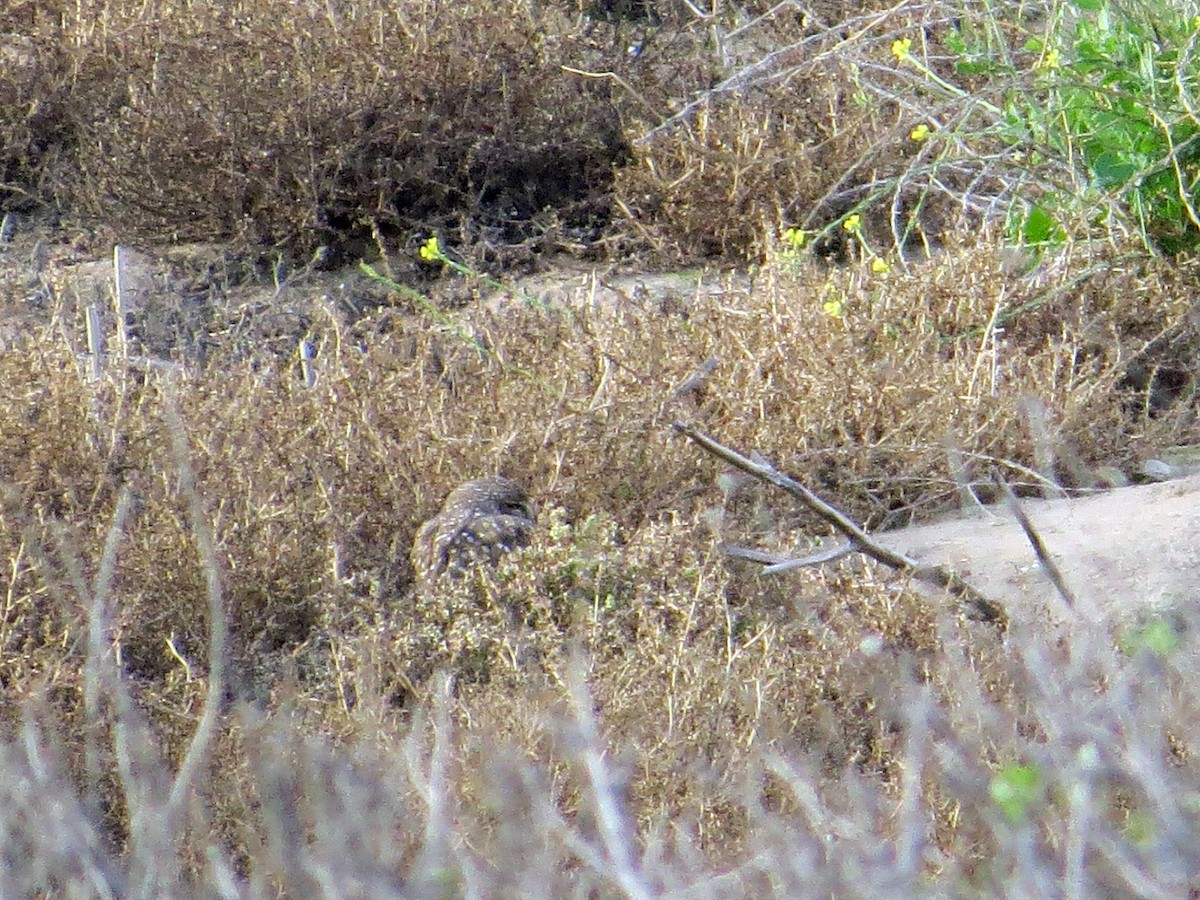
480,521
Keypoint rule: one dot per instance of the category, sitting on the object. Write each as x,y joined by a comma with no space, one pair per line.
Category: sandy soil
1122,553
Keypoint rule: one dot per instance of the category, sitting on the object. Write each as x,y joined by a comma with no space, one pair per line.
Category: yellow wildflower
1050,62
795,238
431,251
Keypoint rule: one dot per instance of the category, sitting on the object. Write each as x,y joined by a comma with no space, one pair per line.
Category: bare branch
978,605
198,749
776,563
1039,548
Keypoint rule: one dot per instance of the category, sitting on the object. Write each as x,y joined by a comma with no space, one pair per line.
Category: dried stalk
978,605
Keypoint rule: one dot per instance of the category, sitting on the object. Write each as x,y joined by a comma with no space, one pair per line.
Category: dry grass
331,128
617,709
727,699
324,128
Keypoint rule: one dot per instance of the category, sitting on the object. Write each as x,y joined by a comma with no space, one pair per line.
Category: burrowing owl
480,521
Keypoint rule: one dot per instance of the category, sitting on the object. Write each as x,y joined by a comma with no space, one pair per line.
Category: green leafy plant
1015,789
1158,637
1104,94
1125,110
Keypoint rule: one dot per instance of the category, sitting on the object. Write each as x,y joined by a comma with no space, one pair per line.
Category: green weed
1104,94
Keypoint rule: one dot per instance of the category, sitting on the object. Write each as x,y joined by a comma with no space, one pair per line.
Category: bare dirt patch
1124,553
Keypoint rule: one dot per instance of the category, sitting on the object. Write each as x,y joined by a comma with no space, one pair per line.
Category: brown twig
1039,548
774,562
978,605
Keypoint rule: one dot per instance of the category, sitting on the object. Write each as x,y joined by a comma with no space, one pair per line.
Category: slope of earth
1123,554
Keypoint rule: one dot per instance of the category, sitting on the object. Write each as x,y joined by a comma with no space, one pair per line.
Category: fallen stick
978,605
1049,566
774,563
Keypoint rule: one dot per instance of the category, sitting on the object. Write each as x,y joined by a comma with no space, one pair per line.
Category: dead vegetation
697,667
512,131
617,708
182,121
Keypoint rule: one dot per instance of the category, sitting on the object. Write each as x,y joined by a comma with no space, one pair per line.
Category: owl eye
513,508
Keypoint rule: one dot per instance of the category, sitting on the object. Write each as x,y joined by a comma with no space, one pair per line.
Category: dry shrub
739,174
187,120
854,382
501,127
764,117
777,131
824,732
317,489
448,803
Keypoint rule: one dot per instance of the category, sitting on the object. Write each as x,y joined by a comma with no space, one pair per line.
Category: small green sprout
1015,788
1139,829
1158,637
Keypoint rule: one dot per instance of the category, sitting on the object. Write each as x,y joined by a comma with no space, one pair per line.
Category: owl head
478,523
